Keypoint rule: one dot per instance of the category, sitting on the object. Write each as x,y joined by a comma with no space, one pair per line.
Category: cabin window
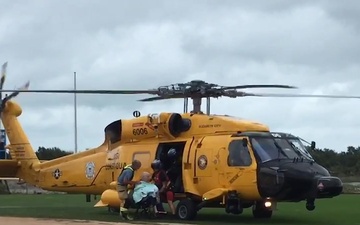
144,158
238,154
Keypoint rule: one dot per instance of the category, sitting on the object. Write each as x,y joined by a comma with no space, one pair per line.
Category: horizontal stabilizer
8,168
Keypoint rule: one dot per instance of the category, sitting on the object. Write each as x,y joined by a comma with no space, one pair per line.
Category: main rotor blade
257,86
299,95
161,98
88,91
152,99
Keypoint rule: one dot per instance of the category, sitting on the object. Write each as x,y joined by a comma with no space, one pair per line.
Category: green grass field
343,210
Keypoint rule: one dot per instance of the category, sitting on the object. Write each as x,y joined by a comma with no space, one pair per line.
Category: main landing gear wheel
186,210
260,211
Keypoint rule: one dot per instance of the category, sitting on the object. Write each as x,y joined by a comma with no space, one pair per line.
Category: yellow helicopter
225,162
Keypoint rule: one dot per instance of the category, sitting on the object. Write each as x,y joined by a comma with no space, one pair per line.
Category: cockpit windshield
269,148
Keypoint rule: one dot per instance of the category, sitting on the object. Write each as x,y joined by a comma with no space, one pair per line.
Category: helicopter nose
328,187
296,182
312,182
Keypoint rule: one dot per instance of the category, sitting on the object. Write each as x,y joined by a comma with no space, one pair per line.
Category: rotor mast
197,101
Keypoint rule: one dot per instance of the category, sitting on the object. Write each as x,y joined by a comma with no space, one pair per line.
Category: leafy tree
345,164
51,153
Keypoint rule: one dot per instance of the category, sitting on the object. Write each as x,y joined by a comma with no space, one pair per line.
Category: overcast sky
145,44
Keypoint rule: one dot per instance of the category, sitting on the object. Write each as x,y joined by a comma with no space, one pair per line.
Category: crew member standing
164,185
124,180
175,170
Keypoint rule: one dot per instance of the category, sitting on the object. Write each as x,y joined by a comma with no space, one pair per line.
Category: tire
186,210
261,212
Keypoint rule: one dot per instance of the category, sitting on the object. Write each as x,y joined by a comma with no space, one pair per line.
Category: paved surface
33,221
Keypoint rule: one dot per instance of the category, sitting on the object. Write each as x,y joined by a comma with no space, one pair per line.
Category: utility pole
75,115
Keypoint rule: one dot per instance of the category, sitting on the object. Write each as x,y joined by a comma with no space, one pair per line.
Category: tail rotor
13,94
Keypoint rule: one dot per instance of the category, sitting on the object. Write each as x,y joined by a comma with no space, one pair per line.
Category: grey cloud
345,12
307,38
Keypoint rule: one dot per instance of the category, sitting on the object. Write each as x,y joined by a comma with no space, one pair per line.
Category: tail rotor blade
16,93
25,86
3,74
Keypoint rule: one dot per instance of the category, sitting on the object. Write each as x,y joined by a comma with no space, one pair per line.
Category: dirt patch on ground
36,221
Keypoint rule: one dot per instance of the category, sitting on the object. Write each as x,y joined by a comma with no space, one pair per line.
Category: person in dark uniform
162,181
175,170
123,182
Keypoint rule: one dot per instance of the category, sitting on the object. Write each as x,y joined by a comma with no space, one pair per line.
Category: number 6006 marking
140,131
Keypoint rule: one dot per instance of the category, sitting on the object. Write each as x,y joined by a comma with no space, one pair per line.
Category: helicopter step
231,200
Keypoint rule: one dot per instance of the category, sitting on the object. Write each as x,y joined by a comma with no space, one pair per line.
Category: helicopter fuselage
220,159
257,165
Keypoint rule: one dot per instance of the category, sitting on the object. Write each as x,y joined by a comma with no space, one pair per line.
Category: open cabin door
173,163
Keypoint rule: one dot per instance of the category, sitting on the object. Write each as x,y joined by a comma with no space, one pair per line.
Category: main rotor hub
198,89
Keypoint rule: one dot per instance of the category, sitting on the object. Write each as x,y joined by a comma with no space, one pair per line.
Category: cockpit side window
238,154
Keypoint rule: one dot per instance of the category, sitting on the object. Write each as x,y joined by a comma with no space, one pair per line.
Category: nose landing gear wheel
260,211
186,210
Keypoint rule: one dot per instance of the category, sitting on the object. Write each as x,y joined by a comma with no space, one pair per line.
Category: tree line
343,164
51,153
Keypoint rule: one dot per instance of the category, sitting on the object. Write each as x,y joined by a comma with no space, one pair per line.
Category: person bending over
124,180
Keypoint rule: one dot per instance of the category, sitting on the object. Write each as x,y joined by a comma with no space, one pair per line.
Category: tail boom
20,149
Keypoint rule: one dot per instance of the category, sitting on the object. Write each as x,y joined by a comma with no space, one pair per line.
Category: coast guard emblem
90,170
202,162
